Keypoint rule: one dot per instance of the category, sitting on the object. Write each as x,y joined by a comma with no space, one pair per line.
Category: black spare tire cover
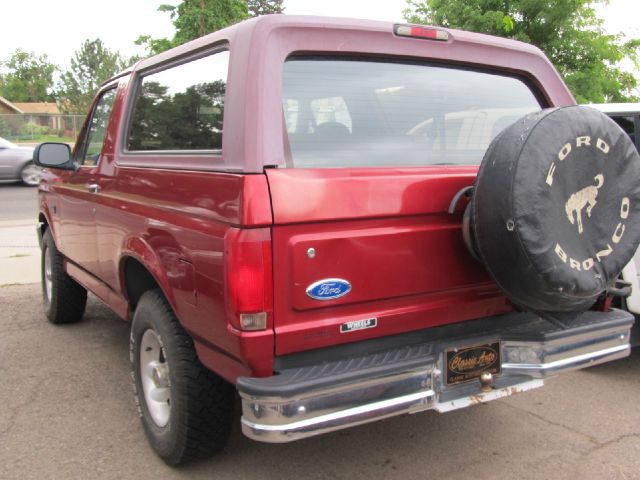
556,209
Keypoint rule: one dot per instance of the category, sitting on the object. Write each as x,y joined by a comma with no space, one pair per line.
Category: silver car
16,164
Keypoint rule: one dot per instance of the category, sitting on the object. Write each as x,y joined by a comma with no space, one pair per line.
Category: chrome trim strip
406,400
568,362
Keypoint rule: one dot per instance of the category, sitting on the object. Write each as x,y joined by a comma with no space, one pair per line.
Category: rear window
359,113
181,107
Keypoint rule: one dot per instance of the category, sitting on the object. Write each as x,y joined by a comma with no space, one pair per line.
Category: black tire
531,211
64,298
199,403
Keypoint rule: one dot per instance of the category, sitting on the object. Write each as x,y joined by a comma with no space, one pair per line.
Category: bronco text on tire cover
556,208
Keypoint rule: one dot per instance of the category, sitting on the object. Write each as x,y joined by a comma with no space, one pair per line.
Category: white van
627,116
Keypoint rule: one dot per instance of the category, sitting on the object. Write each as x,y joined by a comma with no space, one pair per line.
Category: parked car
16,164
627,116
291,209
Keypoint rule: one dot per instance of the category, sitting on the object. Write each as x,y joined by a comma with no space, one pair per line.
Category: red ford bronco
342,221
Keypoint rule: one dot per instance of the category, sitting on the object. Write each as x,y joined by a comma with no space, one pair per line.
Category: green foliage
196,18
33,129
568,31
29,78
264,7
42,138
185,120
154,45
91,65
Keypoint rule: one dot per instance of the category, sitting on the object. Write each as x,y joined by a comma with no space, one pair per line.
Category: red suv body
301,220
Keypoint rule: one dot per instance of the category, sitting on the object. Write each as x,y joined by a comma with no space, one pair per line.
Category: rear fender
45,222
138,249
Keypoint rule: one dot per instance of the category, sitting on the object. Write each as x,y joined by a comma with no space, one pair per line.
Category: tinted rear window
181,108
357,113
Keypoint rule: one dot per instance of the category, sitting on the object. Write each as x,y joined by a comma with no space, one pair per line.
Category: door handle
94,188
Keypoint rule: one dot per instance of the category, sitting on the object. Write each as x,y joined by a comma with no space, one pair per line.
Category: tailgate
376,149
386,233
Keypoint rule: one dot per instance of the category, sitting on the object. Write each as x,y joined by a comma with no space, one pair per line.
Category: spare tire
556,209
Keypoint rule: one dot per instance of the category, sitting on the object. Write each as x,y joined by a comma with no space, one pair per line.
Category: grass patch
44,138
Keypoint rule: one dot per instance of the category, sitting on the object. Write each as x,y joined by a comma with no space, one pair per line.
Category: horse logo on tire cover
583,198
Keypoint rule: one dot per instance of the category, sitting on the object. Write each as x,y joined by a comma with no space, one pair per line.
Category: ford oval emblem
328,289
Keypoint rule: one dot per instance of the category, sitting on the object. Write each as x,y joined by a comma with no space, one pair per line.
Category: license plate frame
465,364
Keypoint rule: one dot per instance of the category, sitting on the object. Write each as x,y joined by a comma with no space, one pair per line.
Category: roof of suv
268,23
260,46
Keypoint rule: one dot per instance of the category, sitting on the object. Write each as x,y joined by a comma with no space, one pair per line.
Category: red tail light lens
421,32
248,273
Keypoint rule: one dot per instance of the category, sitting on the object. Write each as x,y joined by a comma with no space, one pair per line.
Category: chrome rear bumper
334,394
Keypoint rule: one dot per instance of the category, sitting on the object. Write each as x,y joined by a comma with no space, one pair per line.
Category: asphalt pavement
68,413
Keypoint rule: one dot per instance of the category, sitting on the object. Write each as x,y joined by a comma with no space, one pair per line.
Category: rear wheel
30,175
64,298
186,410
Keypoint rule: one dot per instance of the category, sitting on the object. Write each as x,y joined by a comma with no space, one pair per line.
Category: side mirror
55,155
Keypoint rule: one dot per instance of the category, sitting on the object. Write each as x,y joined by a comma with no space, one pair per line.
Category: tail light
248,275
418,31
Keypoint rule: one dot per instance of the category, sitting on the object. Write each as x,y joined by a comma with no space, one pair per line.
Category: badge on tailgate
328,289
463,364
358,325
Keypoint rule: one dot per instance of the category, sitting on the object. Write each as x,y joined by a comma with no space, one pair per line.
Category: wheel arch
141,270
43,225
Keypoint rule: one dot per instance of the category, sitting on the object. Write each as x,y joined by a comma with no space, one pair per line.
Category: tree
29,78
568,31
264,7
91,65
195,18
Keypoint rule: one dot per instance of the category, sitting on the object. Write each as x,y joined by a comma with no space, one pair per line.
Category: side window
331,110
291,109
627,124
98,129
181,108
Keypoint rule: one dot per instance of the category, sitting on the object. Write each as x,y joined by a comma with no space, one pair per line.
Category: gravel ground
68,413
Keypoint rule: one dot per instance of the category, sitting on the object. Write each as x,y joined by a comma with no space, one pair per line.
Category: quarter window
182,107
98,128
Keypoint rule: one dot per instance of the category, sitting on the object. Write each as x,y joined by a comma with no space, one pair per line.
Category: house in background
45,114
7,108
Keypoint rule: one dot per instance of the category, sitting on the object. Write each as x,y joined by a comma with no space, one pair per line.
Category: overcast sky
58,27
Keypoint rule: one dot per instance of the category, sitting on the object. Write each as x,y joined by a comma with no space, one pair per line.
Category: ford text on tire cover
341,221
